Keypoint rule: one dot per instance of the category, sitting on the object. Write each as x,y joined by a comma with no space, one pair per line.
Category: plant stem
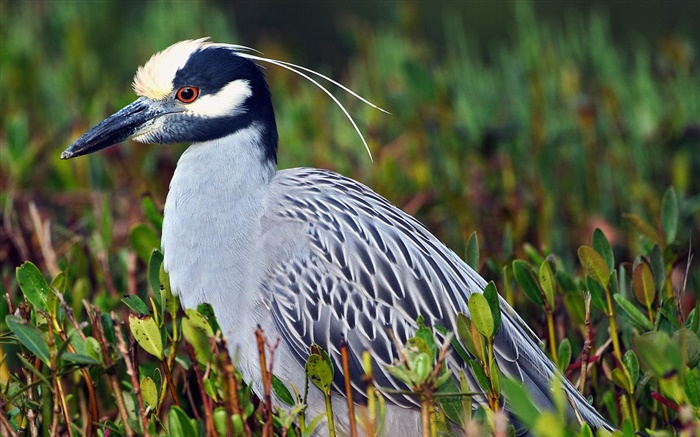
585,354
552,338
348,386
329,414
425,407
613,325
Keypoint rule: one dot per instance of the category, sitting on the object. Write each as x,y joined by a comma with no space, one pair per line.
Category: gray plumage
309,255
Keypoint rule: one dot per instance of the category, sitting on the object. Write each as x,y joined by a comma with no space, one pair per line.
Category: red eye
187,94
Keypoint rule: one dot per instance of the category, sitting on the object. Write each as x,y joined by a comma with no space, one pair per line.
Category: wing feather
357,267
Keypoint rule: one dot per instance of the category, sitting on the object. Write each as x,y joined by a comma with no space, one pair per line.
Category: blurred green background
526,122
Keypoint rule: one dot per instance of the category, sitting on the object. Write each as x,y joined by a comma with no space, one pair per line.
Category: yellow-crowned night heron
307,254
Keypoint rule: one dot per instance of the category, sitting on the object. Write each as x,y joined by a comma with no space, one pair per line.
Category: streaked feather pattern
363,269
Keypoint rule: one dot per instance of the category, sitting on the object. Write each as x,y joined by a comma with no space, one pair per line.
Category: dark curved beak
116,128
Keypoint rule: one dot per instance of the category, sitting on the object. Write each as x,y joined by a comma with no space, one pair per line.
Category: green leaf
319,372
93,349
170,301
426,334
691,388
143,240
207,311
652,348
564,355
464,333
633,313
136,305
281,391
643,228
643,284
30,337
179,424
197,332
491,295
602,246
495,378
547,283
60,282
154,263
520,402
149,392
220,418
669,215
454,341
79,359
58,285
151,212
480,313
147,334
33,285
473,251
688,344
480,375
421,367
451,405
622,380
401,373
597,293
525,277
658,270
594,265
632,365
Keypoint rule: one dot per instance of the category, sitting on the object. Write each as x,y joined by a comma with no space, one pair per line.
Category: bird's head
193,91
197,91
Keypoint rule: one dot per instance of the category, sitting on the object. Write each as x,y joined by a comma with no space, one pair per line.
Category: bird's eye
187,94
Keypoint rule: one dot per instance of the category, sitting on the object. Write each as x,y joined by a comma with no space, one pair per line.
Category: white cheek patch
227,102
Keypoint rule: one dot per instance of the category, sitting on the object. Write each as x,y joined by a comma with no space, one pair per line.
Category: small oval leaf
526,279
669,215
547,283
480,313
149,391
594,265
602,246
633,312
147,335
643,284
33,284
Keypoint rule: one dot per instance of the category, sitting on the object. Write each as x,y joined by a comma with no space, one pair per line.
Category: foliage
536,144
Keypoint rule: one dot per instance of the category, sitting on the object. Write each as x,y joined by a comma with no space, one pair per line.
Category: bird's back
341,261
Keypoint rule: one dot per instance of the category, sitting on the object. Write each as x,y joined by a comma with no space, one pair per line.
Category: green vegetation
557,147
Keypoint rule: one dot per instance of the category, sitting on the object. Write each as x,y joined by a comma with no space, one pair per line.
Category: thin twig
121,345
169,379
267,383
348,386
232,403
585,354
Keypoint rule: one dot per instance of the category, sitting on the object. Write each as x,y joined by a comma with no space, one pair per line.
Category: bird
308,255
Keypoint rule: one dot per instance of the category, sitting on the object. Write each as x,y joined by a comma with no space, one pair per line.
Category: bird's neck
212,215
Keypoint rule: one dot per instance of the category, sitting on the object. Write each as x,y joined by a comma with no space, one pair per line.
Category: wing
359,267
